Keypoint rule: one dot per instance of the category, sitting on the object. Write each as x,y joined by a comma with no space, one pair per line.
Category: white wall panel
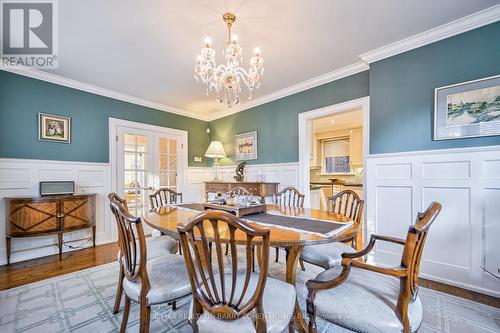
464,238
443,170
20,177
393,171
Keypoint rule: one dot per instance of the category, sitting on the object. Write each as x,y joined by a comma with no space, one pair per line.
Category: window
336,156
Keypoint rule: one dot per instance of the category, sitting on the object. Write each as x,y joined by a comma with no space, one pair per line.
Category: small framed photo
468,109
54,128
245,146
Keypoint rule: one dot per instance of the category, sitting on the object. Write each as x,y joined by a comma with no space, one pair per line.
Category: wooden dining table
166,219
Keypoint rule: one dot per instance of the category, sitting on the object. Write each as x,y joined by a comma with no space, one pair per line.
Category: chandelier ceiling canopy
227,78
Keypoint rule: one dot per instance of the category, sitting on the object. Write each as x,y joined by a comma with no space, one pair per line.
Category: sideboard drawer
217,187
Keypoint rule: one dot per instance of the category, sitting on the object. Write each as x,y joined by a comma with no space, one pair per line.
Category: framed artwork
468,109
54,128
245,146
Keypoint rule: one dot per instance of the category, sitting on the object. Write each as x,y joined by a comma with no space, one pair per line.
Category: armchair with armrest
366,297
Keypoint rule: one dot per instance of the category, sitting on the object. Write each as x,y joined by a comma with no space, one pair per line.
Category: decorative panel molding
491,169
444,170
20,177
400,171
464,238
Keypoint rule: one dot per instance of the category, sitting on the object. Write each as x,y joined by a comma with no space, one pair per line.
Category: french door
147,160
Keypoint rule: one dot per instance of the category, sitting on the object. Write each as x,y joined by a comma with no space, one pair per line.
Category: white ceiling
147,49
340,121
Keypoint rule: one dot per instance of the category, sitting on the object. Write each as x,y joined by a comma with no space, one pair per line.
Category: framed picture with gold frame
54,128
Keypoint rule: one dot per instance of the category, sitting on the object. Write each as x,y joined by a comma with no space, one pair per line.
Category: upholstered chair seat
347,204
158,247
325,255
167,277
365,302
278,302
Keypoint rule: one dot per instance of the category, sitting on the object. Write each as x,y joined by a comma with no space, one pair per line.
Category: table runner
299,224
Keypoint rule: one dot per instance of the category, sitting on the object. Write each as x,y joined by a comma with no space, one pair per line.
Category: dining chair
164,196
157,247
227,298
238,191
147,281
289,197
369,298
346,203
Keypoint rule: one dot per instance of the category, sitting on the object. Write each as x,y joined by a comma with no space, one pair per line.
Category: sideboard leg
60,243
8,240
93,235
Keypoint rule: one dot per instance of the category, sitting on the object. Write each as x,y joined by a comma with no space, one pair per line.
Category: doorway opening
333,144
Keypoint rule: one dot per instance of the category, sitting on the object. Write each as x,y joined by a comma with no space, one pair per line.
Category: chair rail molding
20,177
463,240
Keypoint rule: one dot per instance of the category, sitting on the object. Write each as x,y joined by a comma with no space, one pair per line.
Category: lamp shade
215,150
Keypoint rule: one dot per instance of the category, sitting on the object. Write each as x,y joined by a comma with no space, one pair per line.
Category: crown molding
296,88
62,81
464,24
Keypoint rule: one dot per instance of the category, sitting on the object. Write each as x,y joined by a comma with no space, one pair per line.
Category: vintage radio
57,187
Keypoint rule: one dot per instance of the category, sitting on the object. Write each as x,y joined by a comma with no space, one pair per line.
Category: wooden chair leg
302,266
180,247
277,254
253,258
227,248
126,311
119,291
145,315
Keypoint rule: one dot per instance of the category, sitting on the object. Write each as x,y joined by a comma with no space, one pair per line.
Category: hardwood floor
24,272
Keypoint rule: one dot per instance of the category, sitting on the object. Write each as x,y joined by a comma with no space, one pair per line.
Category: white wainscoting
20,177
467,183
287,174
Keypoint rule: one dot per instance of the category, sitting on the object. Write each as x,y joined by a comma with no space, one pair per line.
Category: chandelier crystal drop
226,79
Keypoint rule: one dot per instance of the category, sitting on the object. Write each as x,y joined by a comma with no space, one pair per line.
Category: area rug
83,302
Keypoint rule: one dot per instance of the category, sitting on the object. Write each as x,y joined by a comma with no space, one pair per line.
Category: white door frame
113,158
305,147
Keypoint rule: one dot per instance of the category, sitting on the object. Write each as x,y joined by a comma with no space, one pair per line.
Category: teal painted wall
21,99
277,122
402,89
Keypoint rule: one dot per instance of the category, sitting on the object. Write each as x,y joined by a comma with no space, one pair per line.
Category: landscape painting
477,106
468,109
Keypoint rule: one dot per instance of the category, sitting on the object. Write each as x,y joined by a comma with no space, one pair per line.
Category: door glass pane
163,178
129,142
142,142
135,161
163,163
172,146
163,146
172,179
172,162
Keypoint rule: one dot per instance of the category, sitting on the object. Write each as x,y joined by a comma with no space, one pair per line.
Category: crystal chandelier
226,79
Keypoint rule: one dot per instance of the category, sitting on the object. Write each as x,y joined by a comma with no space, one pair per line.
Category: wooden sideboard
48,215
262,189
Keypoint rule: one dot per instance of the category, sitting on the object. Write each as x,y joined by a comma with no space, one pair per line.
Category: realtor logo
29,33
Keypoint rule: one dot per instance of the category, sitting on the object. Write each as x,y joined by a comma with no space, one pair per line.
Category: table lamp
216,151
